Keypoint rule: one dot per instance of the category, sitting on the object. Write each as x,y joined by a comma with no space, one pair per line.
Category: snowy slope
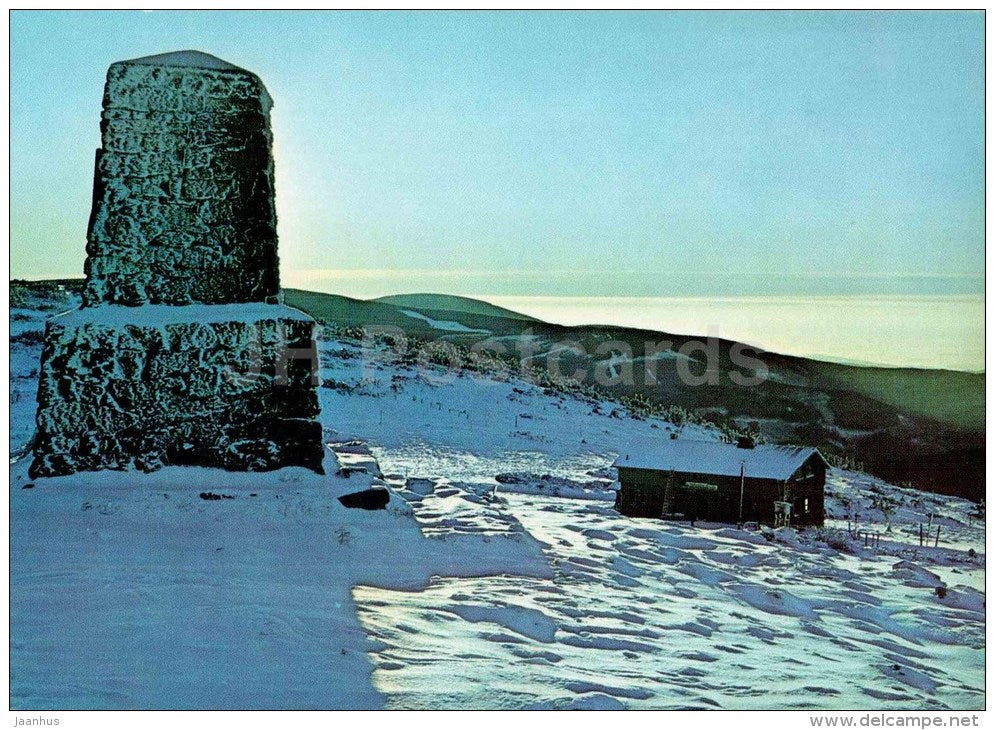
485,584
652,615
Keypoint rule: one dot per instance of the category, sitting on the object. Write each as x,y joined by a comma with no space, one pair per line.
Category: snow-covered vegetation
499,575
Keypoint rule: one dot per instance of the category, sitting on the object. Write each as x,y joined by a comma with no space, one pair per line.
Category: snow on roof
185,59
764,461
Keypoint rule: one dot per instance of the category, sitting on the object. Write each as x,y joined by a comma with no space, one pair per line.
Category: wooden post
742,483
920,534
937,543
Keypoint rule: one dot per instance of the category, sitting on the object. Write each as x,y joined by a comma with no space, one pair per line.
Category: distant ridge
450,303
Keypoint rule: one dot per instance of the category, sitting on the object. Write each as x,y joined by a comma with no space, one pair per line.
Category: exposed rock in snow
374,498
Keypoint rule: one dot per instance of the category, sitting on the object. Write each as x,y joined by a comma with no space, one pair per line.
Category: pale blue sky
566,153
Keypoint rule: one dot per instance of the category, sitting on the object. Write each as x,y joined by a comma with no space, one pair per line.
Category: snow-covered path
649,615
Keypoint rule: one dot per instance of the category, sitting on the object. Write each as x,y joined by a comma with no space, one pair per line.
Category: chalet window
700,487
806,505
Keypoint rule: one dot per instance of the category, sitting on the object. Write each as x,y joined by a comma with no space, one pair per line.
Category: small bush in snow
838,540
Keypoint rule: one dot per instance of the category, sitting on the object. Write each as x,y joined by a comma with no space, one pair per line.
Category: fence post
937,543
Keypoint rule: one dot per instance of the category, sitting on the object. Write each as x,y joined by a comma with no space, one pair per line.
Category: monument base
226,386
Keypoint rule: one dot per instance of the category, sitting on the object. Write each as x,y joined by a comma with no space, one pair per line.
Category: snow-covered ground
444,324
499,576
648,615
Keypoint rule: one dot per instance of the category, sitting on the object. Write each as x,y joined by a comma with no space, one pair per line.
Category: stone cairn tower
180,354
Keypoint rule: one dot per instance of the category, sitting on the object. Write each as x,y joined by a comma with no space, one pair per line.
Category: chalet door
698,501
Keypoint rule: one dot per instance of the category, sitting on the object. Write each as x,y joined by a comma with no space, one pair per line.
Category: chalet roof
764,461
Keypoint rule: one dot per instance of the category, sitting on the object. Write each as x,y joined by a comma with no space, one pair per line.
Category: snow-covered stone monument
180,353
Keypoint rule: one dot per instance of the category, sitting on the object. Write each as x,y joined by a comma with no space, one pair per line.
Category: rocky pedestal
230,388
180,355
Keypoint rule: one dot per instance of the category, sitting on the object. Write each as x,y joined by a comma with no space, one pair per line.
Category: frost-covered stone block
183,202
232,387
183,214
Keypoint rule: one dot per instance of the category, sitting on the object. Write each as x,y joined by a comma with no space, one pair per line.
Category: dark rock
373,498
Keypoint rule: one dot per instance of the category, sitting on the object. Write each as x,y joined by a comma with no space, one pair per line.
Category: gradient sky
567,153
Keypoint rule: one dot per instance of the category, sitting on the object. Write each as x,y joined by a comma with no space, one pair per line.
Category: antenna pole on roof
742,481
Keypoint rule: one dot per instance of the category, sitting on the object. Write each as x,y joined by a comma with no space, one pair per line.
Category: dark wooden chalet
718,482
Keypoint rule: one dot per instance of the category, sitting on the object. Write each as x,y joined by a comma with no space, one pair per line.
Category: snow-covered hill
499,576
